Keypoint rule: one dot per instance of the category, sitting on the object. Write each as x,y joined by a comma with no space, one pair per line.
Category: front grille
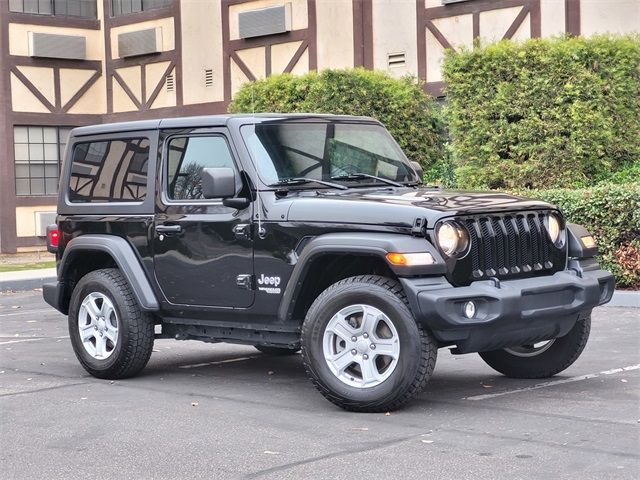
507,246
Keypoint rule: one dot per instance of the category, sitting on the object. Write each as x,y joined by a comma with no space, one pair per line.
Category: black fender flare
357,243
123,255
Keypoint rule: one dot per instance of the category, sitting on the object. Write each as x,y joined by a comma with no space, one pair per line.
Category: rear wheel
362,348
111,336
276,350
543,359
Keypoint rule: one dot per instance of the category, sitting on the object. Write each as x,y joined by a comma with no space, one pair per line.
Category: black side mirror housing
218,182
418,168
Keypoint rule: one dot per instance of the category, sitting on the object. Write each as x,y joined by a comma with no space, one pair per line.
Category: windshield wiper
302,180
360,176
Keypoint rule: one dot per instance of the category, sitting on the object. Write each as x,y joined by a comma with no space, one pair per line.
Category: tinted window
187,156
110,171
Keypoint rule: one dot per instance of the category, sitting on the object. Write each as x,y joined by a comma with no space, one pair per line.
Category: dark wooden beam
572,17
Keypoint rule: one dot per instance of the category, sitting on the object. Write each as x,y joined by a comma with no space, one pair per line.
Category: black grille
507,245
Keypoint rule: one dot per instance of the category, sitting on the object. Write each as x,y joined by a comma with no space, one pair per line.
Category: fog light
469,309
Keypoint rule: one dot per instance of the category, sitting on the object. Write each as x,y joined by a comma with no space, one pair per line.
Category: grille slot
508,245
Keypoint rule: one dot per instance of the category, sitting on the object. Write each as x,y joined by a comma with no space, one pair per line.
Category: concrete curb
625,298
26,284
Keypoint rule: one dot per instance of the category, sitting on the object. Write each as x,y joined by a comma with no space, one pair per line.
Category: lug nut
353,339
372,346
365,335
95,327
354,351
365,356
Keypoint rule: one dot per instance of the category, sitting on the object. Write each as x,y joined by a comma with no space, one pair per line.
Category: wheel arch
341,255
91,252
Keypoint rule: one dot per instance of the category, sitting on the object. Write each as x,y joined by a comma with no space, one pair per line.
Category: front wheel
362,348
543,359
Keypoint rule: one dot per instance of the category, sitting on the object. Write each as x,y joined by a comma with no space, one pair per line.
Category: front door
200,255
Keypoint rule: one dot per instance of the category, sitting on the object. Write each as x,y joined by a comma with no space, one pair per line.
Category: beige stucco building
65,63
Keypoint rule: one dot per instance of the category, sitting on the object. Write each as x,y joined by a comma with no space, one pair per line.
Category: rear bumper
514,312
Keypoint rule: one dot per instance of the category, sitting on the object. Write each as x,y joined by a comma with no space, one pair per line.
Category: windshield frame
268,185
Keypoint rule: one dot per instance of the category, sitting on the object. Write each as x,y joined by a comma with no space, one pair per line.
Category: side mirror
218,182
418,168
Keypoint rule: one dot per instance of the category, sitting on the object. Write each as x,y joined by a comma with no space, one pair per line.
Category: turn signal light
410,259
588,241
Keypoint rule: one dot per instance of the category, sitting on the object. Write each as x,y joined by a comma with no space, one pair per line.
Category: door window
186,157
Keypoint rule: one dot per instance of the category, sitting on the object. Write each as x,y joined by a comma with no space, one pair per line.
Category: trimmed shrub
612,214
545,113
412,117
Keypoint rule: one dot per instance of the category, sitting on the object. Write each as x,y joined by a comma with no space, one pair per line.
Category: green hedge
412,117
612,213
545,113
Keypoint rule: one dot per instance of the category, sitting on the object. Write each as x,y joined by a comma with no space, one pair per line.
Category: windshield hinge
419,228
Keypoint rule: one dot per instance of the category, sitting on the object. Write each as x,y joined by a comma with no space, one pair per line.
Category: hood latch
419,228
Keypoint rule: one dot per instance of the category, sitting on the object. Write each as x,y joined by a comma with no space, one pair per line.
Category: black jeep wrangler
309,232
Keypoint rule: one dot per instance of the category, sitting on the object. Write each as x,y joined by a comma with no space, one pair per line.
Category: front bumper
515,312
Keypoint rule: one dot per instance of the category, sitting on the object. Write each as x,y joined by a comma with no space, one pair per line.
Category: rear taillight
53,238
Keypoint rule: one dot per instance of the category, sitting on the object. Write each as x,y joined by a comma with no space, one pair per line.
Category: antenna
261,230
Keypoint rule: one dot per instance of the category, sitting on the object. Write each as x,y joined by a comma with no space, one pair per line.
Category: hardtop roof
207,121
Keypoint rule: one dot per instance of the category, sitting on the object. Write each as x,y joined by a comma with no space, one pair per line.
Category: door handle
167,229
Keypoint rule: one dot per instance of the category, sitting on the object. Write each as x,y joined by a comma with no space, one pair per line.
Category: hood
400,207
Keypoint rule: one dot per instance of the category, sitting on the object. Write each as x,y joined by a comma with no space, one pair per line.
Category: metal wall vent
51,45
396,60
265,21
43,220
140,42
208,77
170,82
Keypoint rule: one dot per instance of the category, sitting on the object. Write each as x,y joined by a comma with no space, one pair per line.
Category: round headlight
452,238
554,229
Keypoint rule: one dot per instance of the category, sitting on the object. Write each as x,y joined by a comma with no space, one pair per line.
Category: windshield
326,151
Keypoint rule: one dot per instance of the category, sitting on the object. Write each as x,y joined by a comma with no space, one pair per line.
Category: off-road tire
281,351
135,329
418,349
560,355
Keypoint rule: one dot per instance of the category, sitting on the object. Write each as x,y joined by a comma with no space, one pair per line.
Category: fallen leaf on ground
194,404
427,441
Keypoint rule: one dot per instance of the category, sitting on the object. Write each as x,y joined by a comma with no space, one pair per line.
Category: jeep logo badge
270,284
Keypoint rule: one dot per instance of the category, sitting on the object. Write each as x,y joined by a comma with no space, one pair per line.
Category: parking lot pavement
223,411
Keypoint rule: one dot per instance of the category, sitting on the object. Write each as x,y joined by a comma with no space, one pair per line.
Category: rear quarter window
109,171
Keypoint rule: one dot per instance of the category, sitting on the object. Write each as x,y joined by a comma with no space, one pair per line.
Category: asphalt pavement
226,411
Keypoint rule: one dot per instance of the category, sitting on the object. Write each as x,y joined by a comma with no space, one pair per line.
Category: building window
38,153
124,7
64,8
